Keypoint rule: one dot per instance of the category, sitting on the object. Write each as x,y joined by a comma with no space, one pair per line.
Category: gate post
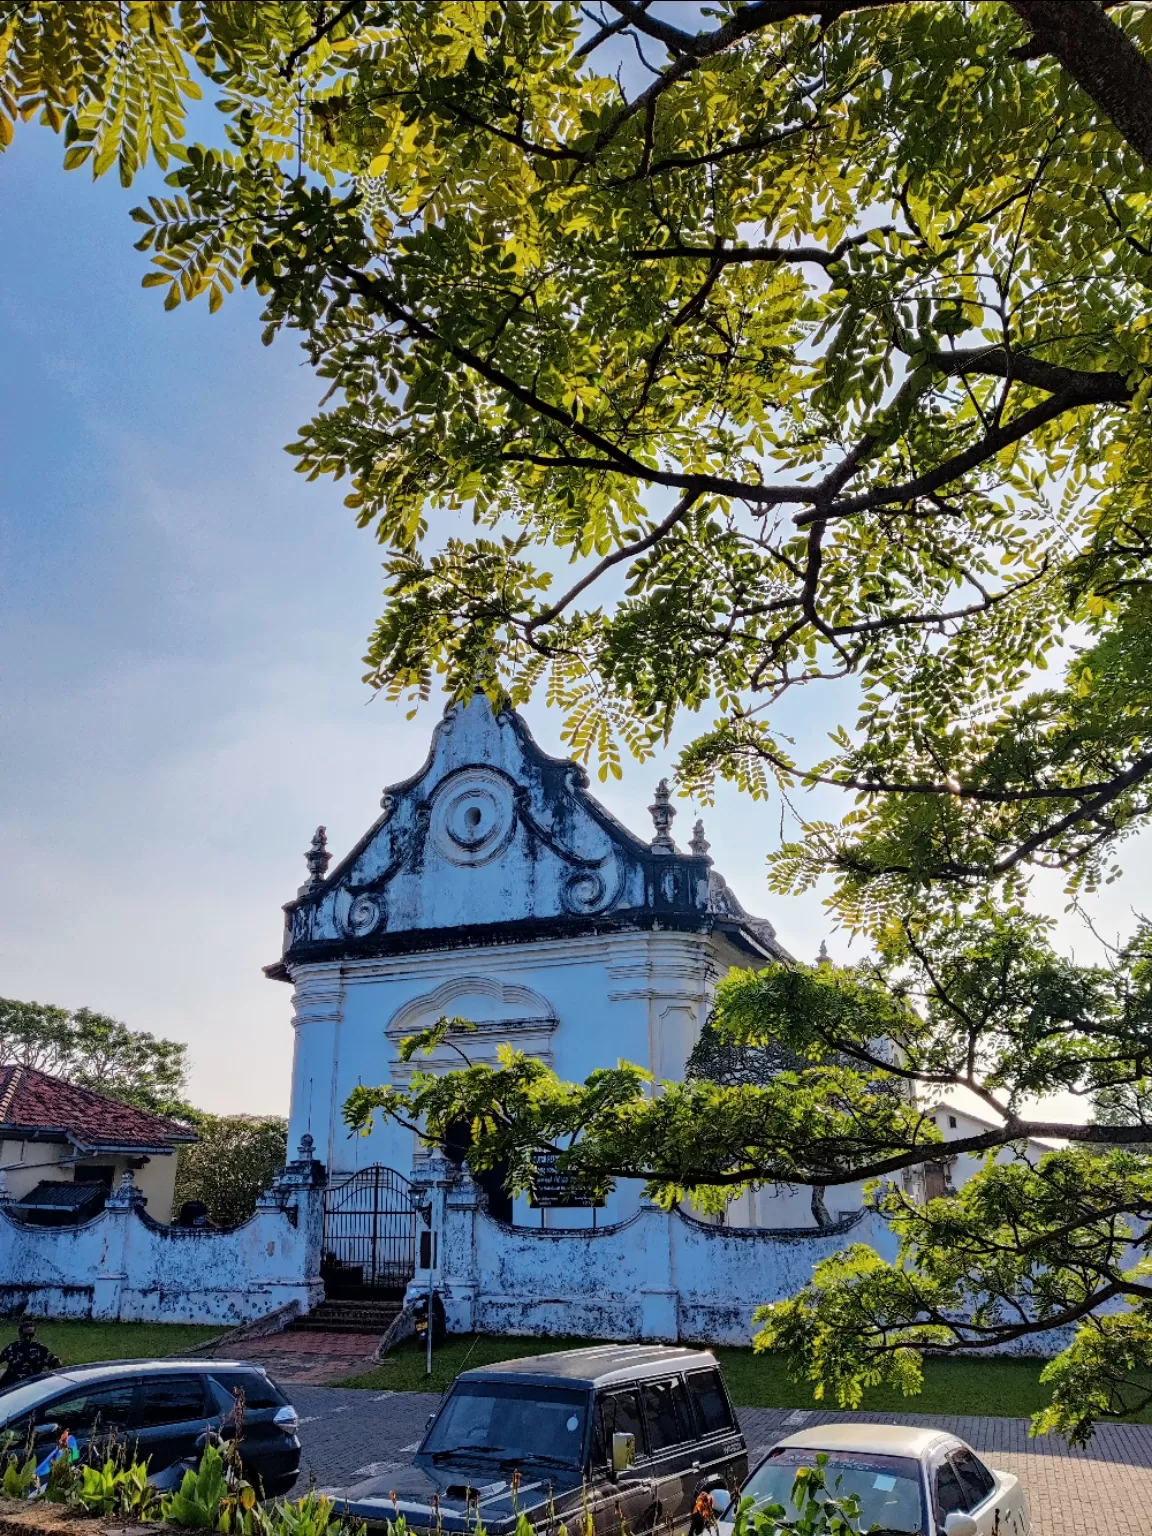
298,1192
443,1188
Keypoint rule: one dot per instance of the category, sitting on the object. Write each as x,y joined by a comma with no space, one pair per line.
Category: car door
98,1416
675,1465
628,1496
169,1417
720,1447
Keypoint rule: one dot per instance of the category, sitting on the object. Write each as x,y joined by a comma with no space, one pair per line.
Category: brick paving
314,1359
1105,1490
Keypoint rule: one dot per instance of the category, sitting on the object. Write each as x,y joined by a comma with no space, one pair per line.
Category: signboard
554,1189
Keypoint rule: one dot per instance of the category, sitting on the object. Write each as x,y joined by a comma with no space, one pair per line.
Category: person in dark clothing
24,1358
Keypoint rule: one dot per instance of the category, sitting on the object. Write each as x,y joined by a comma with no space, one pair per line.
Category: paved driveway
1103,1491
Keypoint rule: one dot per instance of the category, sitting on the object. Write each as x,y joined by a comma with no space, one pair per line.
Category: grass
1000,1388
78,1343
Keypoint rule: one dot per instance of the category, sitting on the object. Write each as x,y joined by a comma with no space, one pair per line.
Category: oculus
473,817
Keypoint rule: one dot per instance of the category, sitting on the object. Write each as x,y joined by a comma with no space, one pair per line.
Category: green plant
19,1478
312,1515
214,1497
62,1484
116,1489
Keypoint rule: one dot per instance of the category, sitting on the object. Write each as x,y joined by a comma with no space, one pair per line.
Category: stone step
304,1326
348,1317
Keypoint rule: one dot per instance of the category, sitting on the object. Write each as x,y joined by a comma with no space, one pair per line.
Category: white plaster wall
123,1265
578,1003
657,1275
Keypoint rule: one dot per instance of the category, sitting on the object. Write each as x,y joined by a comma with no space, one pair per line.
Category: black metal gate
370,1224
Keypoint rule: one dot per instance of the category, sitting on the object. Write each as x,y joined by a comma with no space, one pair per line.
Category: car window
259,1391
666,1413
950,1496
712,1411
91,1410
620,1415
170,1400
975,1478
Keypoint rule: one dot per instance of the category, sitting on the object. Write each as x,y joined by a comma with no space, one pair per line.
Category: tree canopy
817,337
98,1052
232,1164
822,350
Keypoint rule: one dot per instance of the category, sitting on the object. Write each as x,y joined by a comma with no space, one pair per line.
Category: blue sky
183,619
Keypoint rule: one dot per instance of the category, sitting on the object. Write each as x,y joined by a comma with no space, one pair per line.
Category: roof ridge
14,1082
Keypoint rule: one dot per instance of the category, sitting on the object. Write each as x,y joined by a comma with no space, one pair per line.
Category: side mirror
624,1456
957,1524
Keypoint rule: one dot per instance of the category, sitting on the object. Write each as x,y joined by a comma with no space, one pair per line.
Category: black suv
161,1410
625,1433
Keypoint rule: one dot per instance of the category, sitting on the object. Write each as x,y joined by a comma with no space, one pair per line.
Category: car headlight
287,1419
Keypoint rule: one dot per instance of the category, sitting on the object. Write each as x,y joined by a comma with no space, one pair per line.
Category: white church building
495,888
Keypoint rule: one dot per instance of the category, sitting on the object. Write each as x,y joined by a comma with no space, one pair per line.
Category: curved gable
492,839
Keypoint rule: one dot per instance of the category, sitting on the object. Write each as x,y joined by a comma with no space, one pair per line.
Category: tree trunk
1103,60
819,1209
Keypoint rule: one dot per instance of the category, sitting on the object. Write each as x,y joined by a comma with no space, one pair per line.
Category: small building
957,1122
63,1148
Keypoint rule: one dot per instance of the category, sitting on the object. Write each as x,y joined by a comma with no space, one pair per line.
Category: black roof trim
485,935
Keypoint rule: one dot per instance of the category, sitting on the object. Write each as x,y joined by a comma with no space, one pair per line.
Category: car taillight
287,1419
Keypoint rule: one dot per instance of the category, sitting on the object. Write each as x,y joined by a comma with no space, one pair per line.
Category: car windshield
510,1421
25,1398
888,1487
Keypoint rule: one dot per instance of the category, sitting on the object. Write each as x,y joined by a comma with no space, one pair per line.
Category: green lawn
77,1343
1002,1388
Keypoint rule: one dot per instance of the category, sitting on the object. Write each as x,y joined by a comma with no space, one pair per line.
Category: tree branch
626,552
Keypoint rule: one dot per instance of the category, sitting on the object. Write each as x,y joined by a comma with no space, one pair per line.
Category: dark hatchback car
625,1433
159,1410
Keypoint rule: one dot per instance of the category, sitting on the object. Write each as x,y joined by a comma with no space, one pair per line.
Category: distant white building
957,1122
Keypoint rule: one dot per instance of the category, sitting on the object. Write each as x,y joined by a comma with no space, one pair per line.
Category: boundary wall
124,1266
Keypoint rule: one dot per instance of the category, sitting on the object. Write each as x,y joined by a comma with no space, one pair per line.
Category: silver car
916,1481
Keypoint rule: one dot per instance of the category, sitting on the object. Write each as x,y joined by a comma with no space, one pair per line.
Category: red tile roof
34,1102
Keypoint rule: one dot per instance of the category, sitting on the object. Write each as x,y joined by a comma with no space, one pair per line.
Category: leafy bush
234,1161
19,1478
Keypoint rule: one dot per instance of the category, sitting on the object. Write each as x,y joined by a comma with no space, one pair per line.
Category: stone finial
662,814
823,957
700,844
317,859
307,1149
126,1195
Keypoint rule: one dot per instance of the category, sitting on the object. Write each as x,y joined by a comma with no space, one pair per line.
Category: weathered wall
658,1275
125,1266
